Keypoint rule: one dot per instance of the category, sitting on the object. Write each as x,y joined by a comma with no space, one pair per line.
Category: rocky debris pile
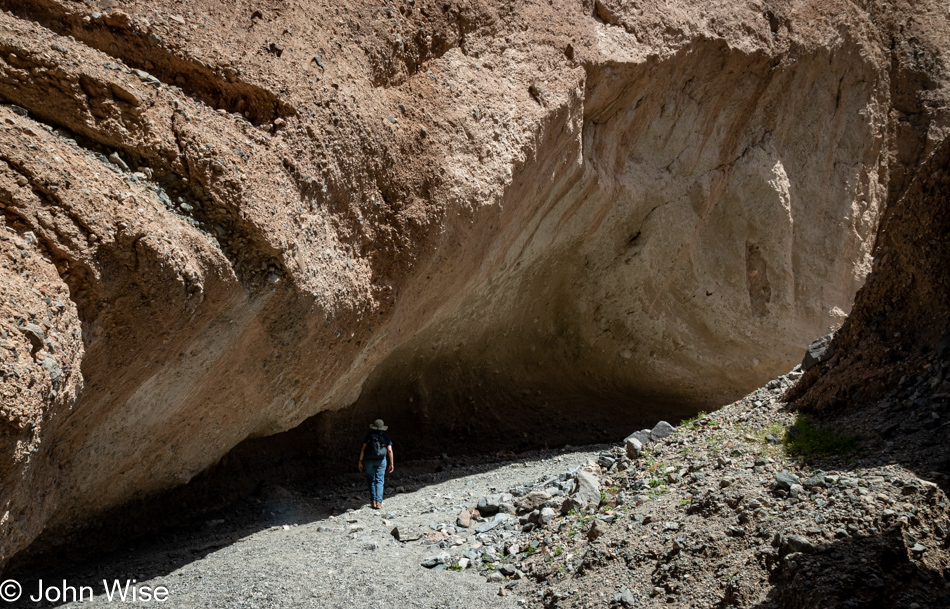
714,512
911,420
500,523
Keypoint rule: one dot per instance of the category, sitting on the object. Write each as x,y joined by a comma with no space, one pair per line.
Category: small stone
146,77
494,522
547,516
495,577
432,561
796,543
53,368
598,528
506,570
404,536
36,337
116,160
570,504
785,480
626,598
634,447
464,519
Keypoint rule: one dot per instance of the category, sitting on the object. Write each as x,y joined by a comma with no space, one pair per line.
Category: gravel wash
288,549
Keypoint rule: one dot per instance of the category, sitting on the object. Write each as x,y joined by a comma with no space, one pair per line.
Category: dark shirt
369,439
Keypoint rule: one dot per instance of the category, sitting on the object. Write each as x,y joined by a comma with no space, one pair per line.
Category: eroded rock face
260,214
893,350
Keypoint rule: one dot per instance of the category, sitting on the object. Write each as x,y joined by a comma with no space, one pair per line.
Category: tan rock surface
362,203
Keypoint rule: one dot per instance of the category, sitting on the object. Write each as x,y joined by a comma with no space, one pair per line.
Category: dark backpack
375,448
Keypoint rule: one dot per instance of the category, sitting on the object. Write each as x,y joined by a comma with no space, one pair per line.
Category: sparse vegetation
658,488
809,440
693,422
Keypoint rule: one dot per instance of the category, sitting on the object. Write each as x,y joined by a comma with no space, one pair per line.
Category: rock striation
222,219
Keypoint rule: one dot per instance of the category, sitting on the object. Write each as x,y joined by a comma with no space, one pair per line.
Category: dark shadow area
880,571
892,562
907,426
446,423
152,538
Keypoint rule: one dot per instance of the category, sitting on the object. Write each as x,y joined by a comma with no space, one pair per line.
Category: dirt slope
252,212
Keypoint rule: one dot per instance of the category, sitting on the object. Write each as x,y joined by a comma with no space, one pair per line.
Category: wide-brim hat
378,425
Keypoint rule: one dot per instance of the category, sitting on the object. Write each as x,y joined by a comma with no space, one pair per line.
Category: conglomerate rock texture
224,217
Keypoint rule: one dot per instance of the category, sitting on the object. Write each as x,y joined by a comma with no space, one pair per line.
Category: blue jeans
375,473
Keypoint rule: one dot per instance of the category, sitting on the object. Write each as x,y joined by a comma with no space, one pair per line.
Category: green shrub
807,440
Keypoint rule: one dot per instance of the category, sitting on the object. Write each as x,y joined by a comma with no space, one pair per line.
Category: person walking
376,460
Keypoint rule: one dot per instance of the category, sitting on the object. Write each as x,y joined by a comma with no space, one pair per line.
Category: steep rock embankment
266,211
898,338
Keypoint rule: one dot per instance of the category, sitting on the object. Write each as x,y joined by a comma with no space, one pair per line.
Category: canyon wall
224,218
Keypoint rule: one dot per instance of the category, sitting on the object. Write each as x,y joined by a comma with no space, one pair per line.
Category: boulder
819,351
796,543
642,436
587,490
532,501
661,430
491,504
